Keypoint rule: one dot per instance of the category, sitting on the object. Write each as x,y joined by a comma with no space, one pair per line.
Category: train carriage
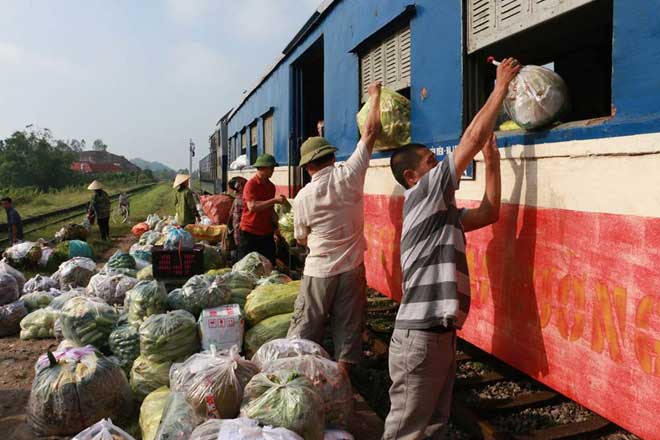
565,286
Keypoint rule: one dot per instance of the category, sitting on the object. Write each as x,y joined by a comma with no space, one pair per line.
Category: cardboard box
222,326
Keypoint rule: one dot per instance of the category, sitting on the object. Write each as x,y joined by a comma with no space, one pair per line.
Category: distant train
566,286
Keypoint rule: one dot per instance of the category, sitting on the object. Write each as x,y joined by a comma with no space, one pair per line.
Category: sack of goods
213,383
39,324
140,229
39,300
213,258
152,220
198,293
286,348
9,291
103,430
72,231
170,336
240,429
222,327
241,284
286,227
178,420
75,273
150,238
145,299
5,268
111,288
178,239
74,388
332,384
211,233
151,412
141,252
59,301
26,254
146,274
270,300
537,97
124,342
121,260
394,117
88,321
254,264
275,277
217,207
11,316
286,399
147,376
275,327
240,163
39,283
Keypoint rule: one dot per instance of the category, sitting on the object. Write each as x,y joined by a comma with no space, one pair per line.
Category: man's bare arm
489,210
258,206
372,126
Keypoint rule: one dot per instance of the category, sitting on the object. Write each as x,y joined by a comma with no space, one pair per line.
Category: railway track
492,400
51,218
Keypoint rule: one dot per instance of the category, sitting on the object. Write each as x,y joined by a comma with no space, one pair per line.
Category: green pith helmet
265,160
315,148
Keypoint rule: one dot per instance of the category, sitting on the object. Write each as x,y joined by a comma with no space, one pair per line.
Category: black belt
439,329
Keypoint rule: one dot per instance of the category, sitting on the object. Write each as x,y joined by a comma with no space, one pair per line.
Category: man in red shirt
258,221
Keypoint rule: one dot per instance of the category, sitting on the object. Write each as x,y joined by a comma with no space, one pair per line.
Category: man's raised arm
372,126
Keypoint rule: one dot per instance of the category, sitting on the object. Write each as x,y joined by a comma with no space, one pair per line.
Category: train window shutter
388,61
268,134
489,21
253,134
243,141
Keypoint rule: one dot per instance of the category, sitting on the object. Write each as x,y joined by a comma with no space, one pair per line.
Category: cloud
265,19
20,61
193,63
188,11
9,54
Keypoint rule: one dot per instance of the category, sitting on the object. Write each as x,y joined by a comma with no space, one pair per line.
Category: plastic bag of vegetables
75,272
75,388
178,239
213,258
213,383
336,434
26,254
149,238
39,324
10,318
145,299
141,251
178,420
170,336
285,223
394,117
111,288
8,289
58,302
147,376
537,97
38,300
275,327
255,264
198,293
332,384
275,277
151,412
218,272
270,300
121,260
285,348
72,231
146,274
40,282
124,342
152,220
88,321
104,430
240,429
287,399
241,284
5,268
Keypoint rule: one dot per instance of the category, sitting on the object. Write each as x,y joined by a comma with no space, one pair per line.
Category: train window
576,43
388,61
244,141
254,146
268,134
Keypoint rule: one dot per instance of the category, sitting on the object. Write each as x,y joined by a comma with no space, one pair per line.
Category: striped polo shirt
436,283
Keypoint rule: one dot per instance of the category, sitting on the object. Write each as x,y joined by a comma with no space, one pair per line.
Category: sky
144,76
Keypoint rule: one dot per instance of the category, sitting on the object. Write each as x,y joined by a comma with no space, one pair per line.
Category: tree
77,146
98,145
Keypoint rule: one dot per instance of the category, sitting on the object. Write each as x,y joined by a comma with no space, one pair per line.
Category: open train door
307,109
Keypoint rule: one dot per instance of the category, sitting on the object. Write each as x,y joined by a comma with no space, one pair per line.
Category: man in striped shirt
436,283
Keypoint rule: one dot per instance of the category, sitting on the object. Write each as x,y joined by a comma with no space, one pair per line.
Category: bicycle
120,215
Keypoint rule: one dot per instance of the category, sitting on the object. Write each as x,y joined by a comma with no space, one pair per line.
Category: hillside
153,166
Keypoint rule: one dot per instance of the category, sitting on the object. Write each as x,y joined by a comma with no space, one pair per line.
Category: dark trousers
264,244
104,226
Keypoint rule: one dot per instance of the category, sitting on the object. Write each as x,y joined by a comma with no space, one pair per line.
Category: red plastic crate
168,264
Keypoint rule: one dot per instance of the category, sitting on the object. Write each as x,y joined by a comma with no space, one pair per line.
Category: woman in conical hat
99,207
184,200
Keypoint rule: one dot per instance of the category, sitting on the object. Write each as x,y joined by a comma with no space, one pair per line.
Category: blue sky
144,76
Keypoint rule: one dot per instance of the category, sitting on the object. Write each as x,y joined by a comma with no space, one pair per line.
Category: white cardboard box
222,326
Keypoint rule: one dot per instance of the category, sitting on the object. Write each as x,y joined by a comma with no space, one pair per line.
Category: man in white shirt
329,219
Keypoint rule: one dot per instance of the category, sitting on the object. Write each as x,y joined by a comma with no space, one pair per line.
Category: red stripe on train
571,298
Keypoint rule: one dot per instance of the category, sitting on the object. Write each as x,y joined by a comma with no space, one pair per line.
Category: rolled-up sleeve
300,227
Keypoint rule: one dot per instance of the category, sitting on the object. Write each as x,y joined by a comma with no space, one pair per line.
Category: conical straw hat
179,179
95,185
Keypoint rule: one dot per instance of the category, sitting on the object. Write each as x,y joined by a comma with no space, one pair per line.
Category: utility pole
191,155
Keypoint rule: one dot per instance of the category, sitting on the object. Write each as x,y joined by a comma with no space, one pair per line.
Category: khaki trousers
343,297
423,369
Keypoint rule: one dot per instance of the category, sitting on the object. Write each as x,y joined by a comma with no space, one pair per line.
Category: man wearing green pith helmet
329,219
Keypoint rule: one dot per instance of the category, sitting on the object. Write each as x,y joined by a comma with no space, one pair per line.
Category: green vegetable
213,258
124,343
121,260
145,299
86,321
151,412
255,264
36,300
275,277
39,324
394,117
169,336
148,376
198,293
287,399
271,328
286,227
270,300
146,274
